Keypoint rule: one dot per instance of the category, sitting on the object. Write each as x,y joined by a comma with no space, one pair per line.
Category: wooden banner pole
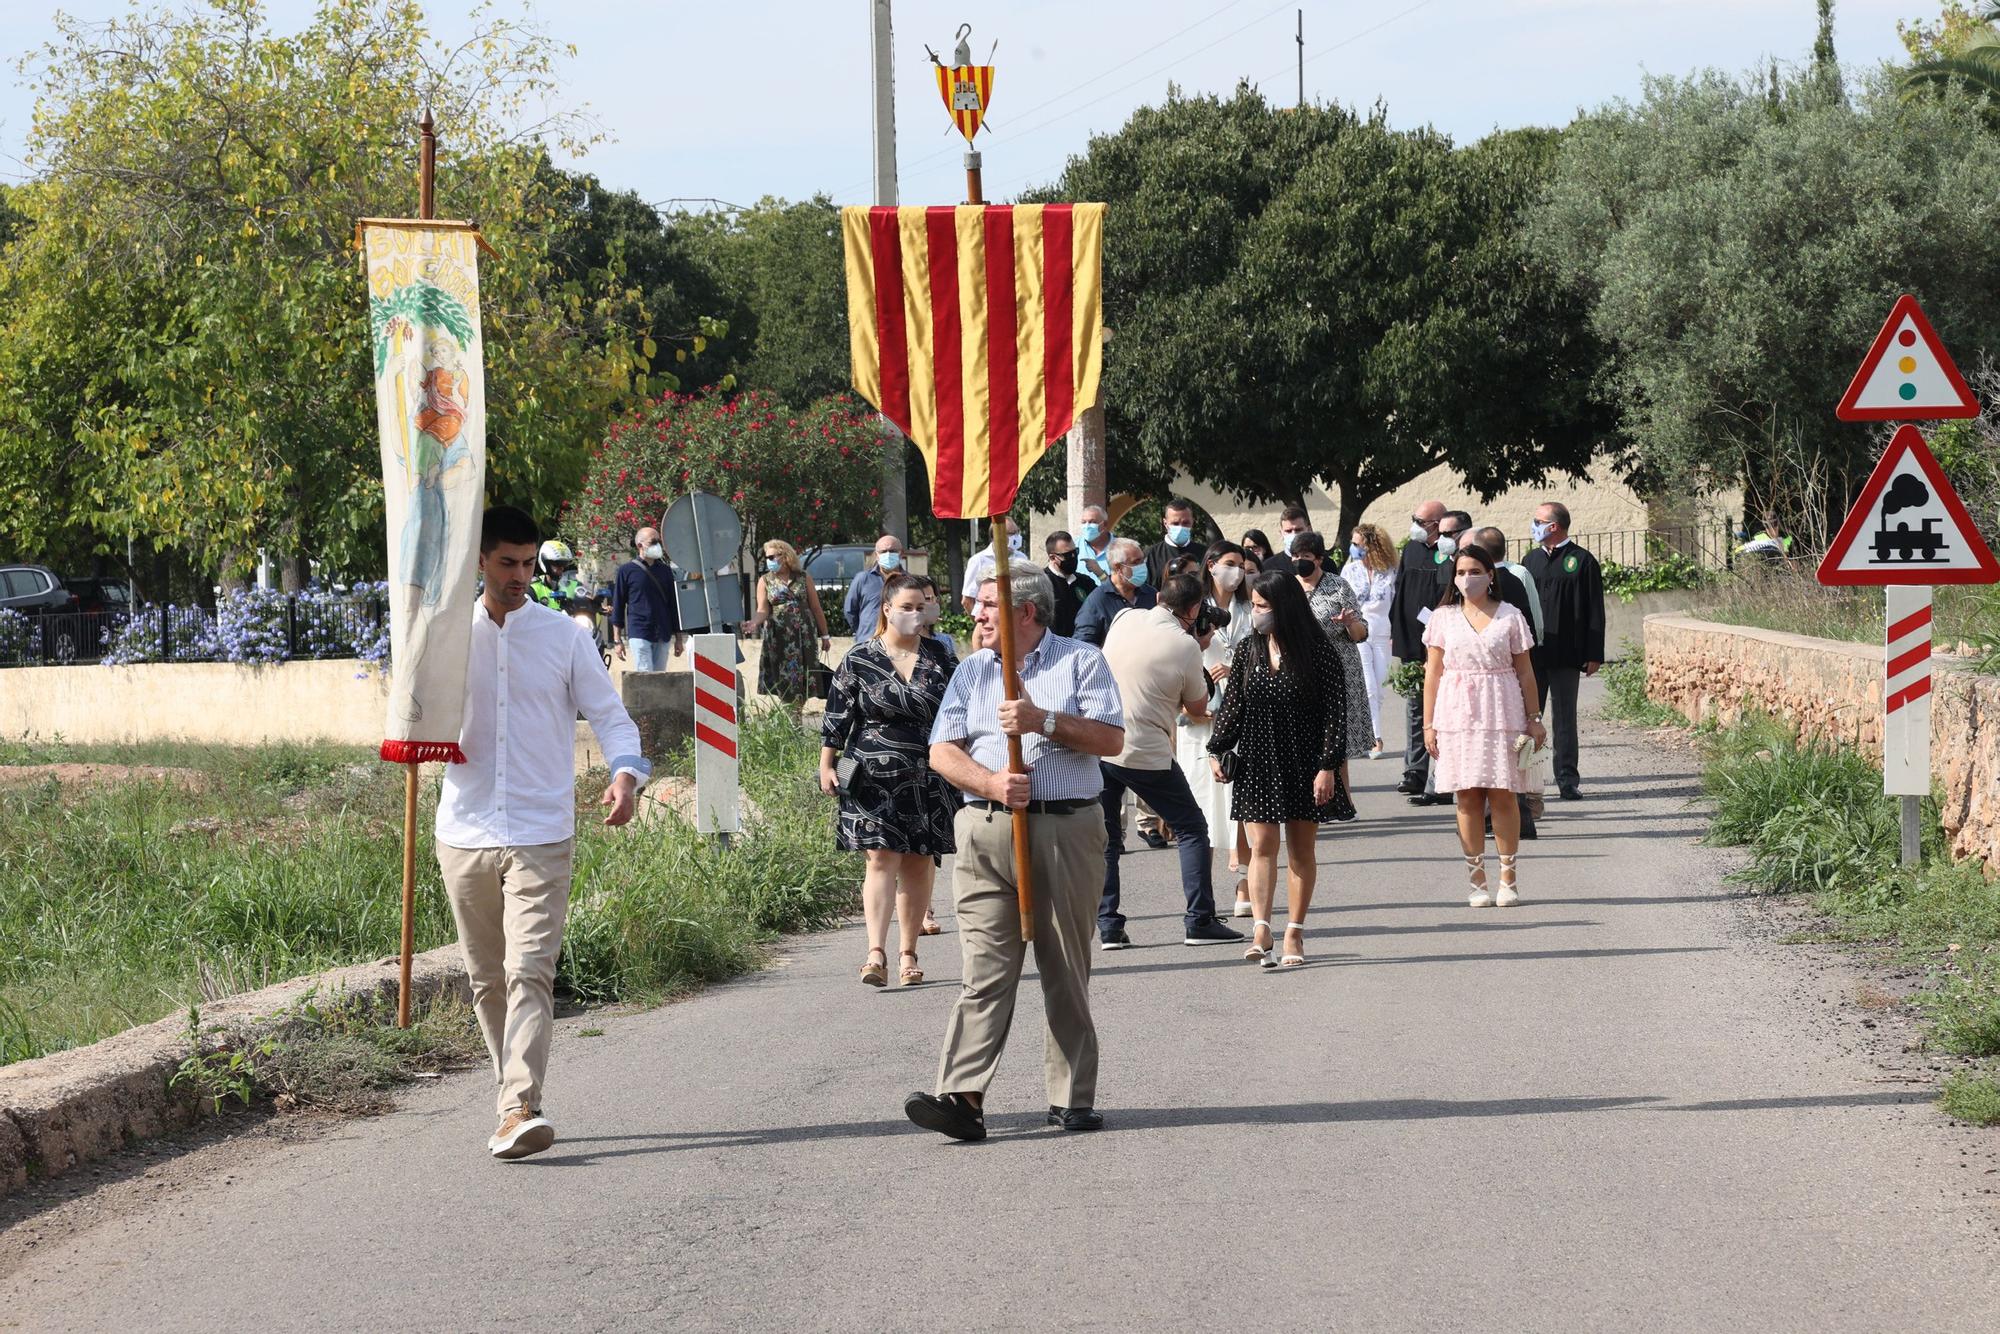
1010,677
426,208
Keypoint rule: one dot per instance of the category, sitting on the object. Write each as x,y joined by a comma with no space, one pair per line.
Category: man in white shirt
506,819
1156,662
981,567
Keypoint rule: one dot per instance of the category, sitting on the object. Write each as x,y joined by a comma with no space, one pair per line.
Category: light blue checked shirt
1063,674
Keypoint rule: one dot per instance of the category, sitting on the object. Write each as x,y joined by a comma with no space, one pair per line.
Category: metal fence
260,628
1711,546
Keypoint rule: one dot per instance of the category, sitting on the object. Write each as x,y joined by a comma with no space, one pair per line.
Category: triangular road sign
1907,375
1908,526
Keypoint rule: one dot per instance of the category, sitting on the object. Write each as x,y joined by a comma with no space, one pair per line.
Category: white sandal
1288,959
1509,895
1481,896
1257,953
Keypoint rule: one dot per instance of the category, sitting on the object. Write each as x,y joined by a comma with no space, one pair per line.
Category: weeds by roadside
1814,820
342,1055
1625,698
128,902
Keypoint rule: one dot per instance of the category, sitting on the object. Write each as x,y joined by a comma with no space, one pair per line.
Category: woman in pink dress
1479,698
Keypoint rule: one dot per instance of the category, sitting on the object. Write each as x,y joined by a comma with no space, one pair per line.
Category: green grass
129,903
1625,698
1972,1095
1813,818
1793,601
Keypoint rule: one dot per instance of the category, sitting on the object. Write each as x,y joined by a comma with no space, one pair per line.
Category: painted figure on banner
429,388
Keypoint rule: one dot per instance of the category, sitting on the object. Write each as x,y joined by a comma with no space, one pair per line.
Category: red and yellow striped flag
979,331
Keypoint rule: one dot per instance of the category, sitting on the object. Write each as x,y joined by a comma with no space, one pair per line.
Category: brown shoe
524,1132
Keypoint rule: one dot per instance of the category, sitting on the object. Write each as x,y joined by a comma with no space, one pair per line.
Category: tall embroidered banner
430,408
978,330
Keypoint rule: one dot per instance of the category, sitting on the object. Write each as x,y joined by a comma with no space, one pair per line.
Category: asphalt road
1611,1108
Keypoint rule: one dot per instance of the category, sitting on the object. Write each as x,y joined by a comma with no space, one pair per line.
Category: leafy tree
1961,48
1739,252
1302,296
183,333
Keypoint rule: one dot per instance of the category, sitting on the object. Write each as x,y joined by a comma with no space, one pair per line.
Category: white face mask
1228,577
907,622
1447,544
1419,533
1262,620
1540,531
654,552
1014,543
1473,585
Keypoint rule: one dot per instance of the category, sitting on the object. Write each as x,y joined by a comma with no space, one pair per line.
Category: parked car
33,590
94,594
836,566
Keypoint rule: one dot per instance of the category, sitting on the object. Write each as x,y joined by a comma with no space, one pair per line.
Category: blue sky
738,100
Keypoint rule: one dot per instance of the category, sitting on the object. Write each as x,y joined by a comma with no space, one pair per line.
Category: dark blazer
1070,594
1571,584
1419,584
1513,592
1103,604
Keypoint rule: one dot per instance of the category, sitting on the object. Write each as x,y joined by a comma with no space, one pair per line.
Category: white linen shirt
525,683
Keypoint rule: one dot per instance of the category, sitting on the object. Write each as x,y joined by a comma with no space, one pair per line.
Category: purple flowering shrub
262,626
17,635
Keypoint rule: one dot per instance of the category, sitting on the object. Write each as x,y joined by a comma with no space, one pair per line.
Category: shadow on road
1029,1127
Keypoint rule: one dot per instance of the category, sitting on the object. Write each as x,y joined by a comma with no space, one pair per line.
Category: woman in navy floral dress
894,809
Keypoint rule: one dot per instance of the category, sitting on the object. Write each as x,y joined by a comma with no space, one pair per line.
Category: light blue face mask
1355,551
1092,531
1287,543
1139,573
1179,535
890,560
1540,531
771,563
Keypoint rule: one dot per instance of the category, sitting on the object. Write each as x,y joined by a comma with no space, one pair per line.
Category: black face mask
1305,567
1063,562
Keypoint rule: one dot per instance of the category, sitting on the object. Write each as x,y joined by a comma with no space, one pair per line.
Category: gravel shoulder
1626,1104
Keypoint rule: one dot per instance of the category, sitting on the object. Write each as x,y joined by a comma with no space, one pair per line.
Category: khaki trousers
509,904
1069,875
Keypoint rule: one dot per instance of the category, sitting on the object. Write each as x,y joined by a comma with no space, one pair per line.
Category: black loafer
1571,793
1152,839
1410,789
1430,799
1076,1118
950,1115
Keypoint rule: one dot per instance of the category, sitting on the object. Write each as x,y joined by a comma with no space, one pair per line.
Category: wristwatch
1049,724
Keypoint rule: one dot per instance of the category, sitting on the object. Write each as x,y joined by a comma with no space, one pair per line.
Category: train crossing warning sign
1907,375
1908,526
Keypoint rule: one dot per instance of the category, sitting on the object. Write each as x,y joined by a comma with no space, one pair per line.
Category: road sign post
717,784
1908,532
703,538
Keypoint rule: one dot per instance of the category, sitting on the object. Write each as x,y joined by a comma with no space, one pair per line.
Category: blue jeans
648,655
1166,791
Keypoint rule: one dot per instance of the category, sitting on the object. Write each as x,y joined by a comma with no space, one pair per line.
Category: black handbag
844,770
819,682
1231,762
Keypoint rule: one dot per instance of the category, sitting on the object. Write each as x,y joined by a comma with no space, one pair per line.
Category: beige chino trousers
510,904
1069,877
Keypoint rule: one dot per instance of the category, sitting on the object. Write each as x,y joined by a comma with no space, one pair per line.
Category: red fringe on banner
422,752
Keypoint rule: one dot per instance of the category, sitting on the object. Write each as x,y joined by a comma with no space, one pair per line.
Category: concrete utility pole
1085,457
895,498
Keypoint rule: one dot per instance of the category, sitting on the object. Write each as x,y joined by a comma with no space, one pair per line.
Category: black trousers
1416,760
1556,688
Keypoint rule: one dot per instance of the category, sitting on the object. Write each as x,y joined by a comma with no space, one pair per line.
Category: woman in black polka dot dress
1284,714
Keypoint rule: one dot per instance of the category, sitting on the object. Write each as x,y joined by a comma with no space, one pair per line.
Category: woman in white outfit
1371,572
1226,571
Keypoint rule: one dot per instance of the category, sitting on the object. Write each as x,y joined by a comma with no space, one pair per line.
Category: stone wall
1828,688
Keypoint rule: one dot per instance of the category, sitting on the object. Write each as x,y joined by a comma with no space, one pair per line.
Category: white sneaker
1375,753
522,1133
1480,898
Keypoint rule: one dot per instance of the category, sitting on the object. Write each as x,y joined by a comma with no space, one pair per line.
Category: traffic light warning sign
1907,375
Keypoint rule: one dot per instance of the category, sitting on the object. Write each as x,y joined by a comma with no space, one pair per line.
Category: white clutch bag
1533,763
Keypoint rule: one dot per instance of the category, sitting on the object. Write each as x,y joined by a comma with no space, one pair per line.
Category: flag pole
1010,678
426,209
